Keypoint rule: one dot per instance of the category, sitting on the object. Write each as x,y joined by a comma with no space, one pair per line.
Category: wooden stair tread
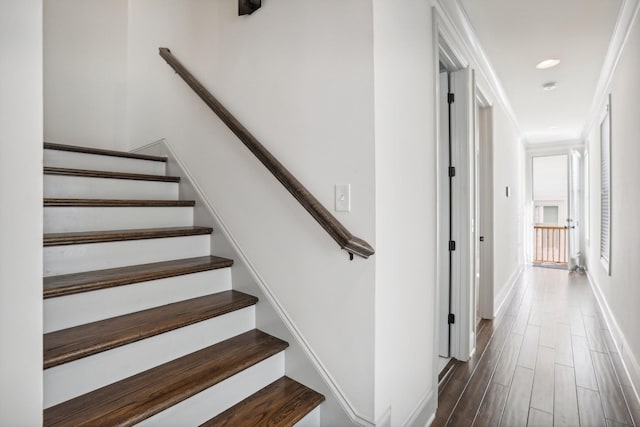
281,403
90,203
48,170
80,341
136,398
67,284
75,238
88,150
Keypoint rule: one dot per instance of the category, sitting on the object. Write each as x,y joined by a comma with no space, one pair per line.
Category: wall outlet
343,197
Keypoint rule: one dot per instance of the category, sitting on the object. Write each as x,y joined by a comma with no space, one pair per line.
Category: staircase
141,322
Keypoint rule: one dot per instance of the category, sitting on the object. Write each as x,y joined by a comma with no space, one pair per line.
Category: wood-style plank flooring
547,360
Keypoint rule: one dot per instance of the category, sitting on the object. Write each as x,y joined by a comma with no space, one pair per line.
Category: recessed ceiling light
547,63
549,86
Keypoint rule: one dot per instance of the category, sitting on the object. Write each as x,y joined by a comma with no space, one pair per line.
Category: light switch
343,197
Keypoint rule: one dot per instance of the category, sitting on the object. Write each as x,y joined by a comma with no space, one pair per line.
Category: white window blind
605,189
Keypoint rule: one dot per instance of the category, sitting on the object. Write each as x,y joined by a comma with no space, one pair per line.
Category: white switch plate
343,197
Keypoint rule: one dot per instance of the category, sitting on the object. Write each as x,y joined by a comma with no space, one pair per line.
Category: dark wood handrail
346,240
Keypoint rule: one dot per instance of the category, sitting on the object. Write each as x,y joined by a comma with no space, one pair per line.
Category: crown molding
554,147
626,18
455,21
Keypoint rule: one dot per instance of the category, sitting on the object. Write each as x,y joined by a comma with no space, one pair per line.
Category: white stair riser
78,309
67,259
73,160
72,379
67,219
217,399
79,187
312,419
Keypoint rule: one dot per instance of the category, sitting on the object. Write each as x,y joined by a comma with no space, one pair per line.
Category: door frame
484,206
541,150
450,57
575,196
448,48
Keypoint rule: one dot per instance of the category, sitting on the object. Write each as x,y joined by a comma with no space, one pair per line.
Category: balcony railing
550,244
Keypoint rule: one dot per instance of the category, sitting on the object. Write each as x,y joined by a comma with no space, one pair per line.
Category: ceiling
517,34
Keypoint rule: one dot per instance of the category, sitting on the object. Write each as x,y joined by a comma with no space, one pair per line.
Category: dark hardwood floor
547,360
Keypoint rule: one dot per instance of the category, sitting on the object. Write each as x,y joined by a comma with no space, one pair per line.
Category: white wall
21,213
405,211
85,52
299,75
620,290
550,178
508,164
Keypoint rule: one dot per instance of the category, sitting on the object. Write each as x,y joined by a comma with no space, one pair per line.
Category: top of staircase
99,151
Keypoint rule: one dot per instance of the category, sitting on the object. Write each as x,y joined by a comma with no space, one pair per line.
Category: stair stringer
302,364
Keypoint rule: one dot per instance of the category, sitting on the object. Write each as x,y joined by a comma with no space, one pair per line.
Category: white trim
482,99
443,219
426,410
438,244
385,419
506,290
629,360
619,38
340,396
554,147
431,419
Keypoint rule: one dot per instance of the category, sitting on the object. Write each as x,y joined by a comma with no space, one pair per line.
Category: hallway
547,359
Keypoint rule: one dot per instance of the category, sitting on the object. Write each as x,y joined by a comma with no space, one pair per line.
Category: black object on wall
247,7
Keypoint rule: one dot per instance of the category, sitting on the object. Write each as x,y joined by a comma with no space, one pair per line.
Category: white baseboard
506,290
425,412
385,419
629,360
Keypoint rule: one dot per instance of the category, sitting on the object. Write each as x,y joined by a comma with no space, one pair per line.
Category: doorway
484,203
550,209
465,210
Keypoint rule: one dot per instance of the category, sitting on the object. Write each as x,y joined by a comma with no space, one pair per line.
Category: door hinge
452,245
451,98
452,171
451,319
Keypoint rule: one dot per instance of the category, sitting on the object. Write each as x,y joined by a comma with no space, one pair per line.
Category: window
605,189
548,212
